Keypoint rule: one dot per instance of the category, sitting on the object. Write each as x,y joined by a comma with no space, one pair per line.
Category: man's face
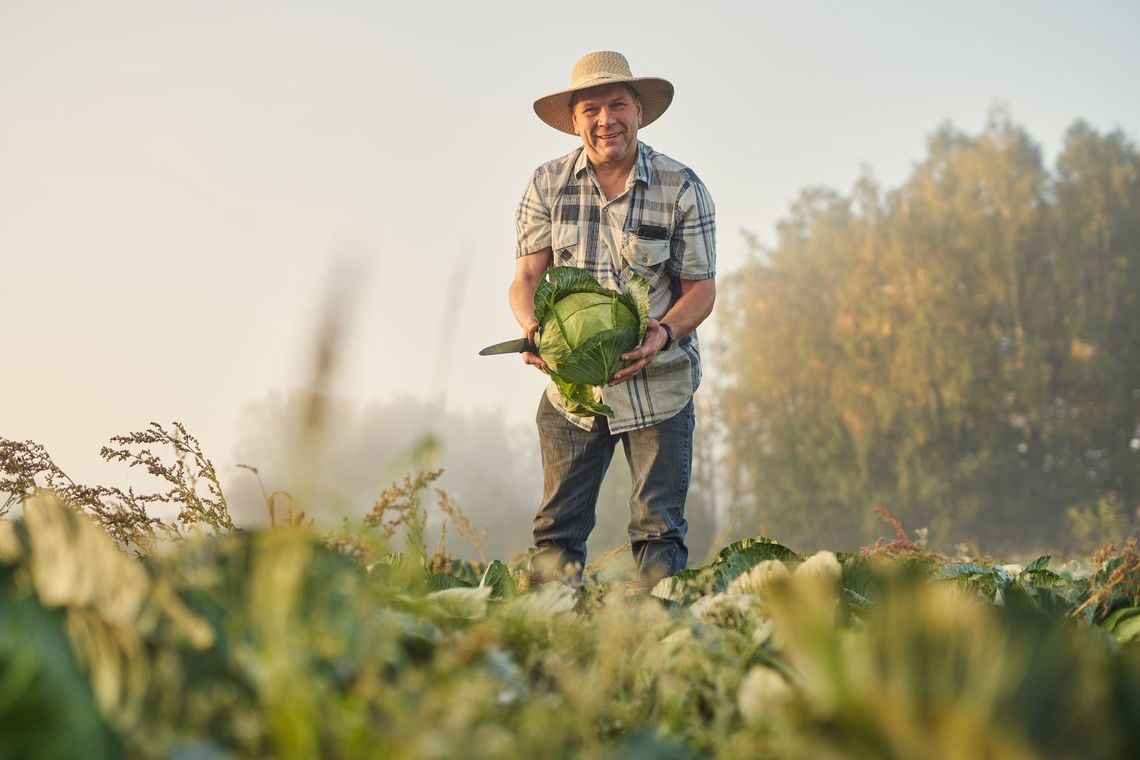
607,118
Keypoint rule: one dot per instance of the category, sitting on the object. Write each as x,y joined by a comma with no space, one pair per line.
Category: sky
180,182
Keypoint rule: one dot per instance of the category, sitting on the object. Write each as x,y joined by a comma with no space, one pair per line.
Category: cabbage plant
584,329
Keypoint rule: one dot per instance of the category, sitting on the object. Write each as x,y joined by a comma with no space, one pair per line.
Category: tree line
962,351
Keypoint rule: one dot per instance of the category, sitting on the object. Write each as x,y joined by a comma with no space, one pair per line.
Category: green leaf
559,282
579,399
857,581
1119,616
963,570
465,603
1128,630
539,608
598,358
441,581
770,548
498,578
739,558
636,296
47,708
465,571
856,600
686,586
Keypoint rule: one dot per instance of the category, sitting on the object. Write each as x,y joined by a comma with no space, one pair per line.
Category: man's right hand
530,332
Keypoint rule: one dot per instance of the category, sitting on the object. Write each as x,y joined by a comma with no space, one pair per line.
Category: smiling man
615,207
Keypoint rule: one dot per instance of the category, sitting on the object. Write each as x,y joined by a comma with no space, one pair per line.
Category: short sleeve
695,232
532,221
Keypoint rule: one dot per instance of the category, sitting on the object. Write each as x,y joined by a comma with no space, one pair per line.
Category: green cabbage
584,330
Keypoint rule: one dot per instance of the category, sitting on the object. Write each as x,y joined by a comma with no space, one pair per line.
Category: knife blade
516,346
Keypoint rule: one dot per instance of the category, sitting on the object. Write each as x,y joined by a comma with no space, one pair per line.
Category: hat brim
656,95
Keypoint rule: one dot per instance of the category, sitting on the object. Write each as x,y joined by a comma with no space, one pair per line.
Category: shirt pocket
564,243
647,258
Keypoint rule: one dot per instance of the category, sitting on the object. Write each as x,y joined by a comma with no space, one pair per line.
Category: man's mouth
610,136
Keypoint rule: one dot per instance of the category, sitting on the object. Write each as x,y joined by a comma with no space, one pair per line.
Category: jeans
574,461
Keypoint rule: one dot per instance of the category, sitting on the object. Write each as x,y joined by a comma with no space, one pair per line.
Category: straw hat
602,68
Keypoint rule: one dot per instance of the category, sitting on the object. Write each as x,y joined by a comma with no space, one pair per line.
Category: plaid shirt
564,208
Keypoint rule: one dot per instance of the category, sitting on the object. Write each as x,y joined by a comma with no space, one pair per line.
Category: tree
961,351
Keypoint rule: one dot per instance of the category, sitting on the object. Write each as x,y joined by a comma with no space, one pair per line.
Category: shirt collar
640,164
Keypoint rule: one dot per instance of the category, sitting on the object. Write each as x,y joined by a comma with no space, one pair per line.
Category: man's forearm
529,271
694,305
521,297
692,308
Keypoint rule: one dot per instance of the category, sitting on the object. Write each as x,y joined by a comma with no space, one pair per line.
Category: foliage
585,328
294,643
1101,523
969,339
46,706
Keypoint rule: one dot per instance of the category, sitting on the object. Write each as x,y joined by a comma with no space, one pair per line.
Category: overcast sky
178,180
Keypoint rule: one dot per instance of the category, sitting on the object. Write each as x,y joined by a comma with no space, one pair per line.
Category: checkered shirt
563,207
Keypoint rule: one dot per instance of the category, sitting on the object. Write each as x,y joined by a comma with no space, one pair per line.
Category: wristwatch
668,340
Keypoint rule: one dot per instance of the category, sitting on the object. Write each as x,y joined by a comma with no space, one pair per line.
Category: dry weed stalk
26,469
399,504
440,560
294,518
1124,580
608,557
462,523
901,544
191,469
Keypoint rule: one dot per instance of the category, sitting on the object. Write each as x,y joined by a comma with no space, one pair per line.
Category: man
615,207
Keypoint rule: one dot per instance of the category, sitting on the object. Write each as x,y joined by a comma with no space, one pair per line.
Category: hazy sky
177,180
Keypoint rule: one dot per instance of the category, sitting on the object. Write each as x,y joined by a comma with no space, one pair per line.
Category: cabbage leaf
584,328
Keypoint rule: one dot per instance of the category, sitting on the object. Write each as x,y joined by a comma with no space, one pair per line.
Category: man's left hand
639,358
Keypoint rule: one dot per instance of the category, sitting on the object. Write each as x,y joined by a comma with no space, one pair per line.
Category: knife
516,346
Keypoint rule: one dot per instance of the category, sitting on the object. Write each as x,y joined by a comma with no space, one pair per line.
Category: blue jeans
574,461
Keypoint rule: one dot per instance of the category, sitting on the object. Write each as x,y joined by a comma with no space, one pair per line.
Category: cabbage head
584,330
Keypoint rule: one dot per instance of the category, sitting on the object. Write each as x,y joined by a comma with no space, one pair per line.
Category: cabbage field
124,635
